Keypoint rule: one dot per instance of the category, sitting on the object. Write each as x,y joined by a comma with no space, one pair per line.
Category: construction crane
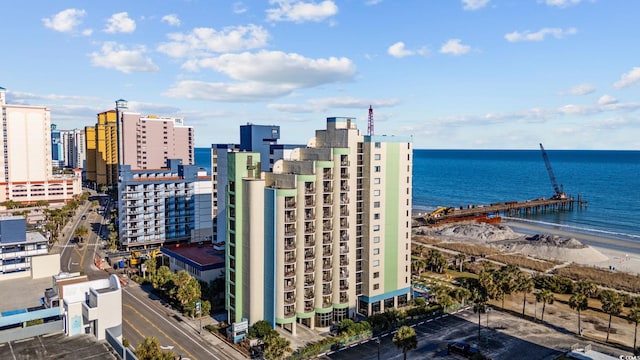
558,193
370,124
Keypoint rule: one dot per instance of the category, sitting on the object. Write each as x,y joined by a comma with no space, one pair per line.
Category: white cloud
65,21
398,50
628,79
263,75
203,41
326,104
118,57
561,3
455,47
171,19
120,23
239,8
87,32
582,89
227,92
372,2
474,4
300,11
276,67
607,100
539,35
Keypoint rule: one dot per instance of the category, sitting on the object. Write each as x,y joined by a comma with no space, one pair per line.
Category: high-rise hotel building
322,236
26,169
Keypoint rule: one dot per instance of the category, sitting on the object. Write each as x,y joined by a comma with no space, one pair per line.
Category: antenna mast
370,126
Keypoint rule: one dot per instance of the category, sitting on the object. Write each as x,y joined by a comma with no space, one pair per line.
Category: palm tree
420,249
612,305
460,257
405,339
436,261
525,286
479,298
460,294
579,302
585,287
275,346
81,232
545,296
634,317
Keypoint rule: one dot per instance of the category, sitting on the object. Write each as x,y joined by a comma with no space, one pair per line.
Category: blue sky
485,74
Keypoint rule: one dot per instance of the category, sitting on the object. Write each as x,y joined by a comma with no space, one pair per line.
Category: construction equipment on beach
558,193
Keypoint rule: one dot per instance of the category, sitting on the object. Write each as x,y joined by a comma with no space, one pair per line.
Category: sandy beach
621,254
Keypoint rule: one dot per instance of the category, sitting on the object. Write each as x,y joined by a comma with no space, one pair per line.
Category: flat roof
58,346
25,293
202,257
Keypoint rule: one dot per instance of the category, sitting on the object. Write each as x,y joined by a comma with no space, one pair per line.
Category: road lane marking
157,328
173,325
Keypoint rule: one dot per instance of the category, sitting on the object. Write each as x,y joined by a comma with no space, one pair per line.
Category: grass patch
469,249
603,277
523,261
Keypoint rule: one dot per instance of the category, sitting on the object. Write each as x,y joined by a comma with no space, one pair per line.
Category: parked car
84,217
462,348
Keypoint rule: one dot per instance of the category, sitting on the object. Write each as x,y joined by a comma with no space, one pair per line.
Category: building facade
324,235
26,168
18,247
164,206
102,151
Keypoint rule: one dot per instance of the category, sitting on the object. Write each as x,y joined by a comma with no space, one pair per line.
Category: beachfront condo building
26,166
164,206
258,138
324,235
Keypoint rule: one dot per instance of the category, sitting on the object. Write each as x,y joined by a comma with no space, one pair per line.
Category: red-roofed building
202,261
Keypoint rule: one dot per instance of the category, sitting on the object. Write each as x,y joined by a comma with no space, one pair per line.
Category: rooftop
25,293
204,257
58,346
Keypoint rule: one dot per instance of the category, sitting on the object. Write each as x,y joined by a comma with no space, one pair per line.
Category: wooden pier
509,208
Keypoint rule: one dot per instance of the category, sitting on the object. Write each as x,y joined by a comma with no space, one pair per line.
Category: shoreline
622,255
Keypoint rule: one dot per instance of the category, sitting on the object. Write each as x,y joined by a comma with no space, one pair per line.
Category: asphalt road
144,316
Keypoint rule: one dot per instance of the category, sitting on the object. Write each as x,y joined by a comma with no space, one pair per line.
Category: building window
376,181
376,275
376,251
376,192
376,263
376,227
377,145
376,239
376,216
376,204
376,286
376,168
377,156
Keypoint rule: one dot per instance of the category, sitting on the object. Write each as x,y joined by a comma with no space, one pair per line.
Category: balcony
289,244
326,290
290,259
309,280
290,230
326,238
344,261
290,203
344,199
344,298
309,240
327,213
309,188
327,188
344,224
344,285
289,300
344,273
308,306
327,174
326,264
289,311
309,201
344,249
289,271
308,255
309,229
309,214
326,301
289,285
309,294
326,276
326,251
328,200
344,211
327,225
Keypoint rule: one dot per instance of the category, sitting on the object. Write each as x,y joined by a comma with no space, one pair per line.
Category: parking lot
507,337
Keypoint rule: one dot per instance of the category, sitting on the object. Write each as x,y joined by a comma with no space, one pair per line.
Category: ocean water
608,180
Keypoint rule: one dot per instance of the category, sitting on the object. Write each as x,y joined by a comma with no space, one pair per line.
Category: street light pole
378,341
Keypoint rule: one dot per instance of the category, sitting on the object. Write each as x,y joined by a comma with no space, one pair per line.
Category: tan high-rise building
325,235
26,170
122,137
